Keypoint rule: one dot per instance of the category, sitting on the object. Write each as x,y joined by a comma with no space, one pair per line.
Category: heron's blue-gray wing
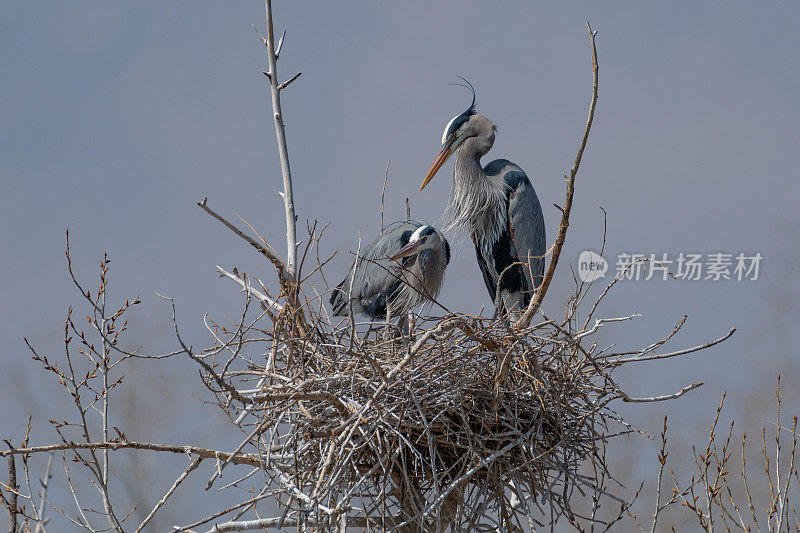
526,223
375,279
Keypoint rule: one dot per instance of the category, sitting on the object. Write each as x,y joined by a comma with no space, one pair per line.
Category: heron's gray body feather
499,207
526,222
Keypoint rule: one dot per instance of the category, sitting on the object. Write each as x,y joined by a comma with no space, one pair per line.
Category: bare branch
204,453
678,394
536,301
675,353
269,254
280,45
383,191
194,464
267,523
218,472
216,515
45,482
285,84
246,287
283,152
12,498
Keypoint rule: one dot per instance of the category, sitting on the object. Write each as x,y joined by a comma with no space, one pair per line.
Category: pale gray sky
117,117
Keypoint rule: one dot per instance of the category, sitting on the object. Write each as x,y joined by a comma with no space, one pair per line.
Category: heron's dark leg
402,325
502,312
387,331
499,307
411,324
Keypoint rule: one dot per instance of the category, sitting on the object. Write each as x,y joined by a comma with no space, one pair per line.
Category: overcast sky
115,118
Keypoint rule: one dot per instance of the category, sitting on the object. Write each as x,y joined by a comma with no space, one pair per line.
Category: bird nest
452,425
465,423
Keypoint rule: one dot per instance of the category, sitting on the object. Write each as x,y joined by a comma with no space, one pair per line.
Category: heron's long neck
468,160
477,201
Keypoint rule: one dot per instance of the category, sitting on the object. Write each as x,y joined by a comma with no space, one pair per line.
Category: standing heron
497,205
403,267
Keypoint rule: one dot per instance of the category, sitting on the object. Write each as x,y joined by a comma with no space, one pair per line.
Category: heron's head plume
472,90
459,120
460,128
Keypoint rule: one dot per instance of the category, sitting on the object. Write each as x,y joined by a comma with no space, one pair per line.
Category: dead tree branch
280,133
536,301
11,503
204,453
194,464
263,250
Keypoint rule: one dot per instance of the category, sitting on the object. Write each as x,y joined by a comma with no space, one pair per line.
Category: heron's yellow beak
407,250
444,155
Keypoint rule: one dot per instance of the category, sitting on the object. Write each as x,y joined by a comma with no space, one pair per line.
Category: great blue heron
497,205
403,267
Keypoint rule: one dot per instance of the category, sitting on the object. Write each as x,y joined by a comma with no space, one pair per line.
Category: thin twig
383,191
45,482
285,84
673,396
194,464
246,287
274,259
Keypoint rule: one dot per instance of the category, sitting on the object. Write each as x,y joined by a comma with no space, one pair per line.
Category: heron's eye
424,239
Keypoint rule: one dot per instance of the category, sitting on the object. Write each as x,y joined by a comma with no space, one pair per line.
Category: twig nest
467,407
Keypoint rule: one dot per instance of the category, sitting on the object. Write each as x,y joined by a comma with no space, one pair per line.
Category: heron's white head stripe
419,232
455,124
447,128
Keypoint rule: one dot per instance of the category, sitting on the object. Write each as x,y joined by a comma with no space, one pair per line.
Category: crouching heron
403,267
497,206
